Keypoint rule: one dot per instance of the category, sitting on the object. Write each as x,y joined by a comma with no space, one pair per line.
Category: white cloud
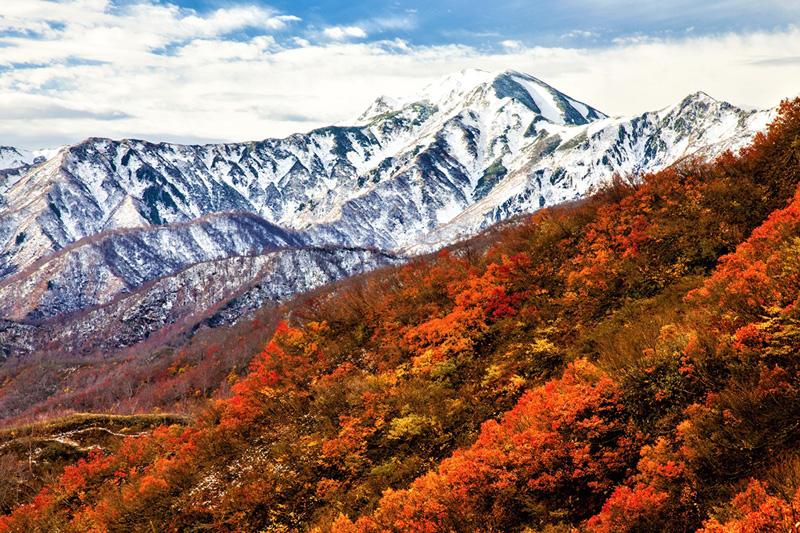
91,30
511,45
407,22
104,72
341,33
583,34
370,27
210,51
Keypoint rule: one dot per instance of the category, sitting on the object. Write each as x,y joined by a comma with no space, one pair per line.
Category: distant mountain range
87,224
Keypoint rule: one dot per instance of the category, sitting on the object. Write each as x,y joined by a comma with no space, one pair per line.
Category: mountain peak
700,96
474,87
698,101
453,85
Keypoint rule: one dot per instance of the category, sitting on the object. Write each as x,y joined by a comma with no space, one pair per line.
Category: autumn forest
627,363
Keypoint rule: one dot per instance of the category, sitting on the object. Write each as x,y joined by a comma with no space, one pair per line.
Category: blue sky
552,23
208,70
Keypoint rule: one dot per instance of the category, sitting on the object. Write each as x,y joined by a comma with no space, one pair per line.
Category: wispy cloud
41,31
580,34
511,45
396,22
364,28
777,61
341,33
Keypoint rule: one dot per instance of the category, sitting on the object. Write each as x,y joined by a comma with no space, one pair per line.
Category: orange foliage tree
555,457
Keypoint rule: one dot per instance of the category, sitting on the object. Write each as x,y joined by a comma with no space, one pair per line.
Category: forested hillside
629,363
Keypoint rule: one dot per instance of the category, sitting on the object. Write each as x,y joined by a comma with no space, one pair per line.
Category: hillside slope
628,364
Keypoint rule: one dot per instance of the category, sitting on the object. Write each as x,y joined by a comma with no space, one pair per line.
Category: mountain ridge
413,175
233,286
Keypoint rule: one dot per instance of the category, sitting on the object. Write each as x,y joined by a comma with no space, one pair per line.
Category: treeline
626,364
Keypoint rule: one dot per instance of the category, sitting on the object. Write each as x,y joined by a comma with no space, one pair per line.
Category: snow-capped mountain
409,174
216,291
562,163
96,269
11,158
424,159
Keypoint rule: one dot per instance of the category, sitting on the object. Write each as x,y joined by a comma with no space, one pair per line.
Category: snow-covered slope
12,158
218,291
409,174
96,269
560,163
